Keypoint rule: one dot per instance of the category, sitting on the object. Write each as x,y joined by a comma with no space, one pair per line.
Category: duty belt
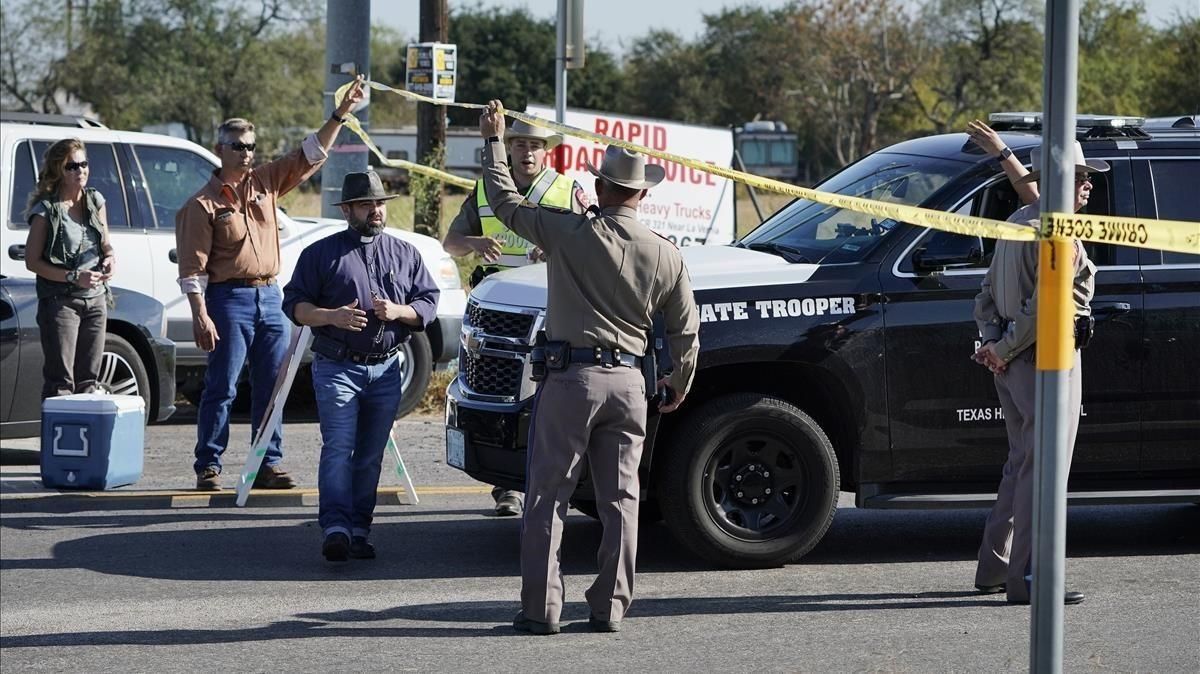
609,357
335,350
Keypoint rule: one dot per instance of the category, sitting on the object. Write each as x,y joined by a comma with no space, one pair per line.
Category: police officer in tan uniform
1006,314
476,229
608,275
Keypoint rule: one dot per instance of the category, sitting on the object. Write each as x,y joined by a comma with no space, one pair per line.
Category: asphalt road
178,589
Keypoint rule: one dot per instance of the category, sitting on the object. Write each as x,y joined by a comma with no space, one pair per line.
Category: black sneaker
336,547
361,549
208,480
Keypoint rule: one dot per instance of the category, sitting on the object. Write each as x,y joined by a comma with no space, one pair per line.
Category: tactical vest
549,188
56,249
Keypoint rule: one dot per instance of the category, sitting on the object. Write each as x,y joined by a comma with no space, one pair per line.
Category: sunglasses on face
243,147
1082,178
75,166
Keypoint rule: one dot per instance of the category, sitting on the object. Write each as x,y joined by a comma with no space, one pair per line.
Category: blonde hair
51,174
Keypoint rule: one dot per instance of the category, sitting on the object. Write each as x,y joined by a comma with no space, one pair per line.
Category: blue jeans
357,405
250,322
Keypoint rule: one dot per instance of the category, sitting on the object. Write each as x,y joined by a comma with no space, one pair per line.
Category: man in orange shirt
227,241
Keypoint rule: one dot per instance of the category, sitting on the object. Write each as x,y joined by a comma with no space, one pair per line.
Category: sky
616,23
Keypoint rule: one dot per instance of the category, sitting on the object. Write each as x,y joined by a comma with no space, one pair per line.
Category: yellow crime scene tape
1173,235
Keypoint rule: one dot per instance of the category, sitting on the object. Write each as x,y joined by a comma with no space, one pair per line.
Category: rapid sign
689,207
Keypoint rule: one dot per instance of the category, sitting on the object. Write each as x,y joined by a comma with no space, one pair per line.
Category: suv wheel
415,372
750,482
122,371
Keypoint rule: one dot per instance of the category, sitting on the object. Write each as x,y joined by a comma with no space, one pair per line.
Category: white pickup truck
145,179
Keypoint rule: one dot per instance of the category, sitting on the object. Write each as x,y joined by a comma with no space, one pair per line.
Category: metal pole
347,40
431,129
1055,341
560,77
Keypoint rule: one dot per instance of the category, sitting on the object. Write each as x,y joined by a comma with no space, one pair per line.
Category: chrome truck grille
493,355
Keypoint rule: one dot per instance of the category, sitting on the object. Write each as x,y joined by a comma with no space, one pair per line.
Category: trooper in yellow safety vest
476,230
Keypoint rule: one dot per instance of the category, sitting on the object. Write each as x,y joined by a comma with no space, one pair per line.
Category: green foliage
427,196
1174,89
198,63
509,55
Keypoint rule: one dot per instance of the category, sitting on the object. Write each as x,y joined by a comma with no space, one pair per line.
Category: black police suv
835,354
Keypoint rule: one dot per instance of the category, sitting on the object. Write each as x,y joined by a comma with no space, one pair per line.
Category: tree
664,78
1116,61
198,62
1175,87
509,55
986,56
33,35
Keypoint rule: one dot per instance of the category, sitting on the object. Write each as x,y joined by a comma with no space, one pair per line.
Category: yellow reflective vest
549,188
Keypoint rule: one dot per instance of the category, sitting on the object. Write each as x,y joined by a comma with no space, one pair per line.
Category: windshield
805,231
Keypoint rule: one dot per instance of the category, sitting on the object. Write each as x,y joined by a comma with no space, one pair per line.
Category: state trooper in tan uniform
1006,314
476,229
608,275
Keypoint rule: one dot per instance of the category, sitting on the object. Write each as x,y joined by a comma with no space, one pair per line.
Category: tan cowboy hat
365,186
522,129
1082,164
627,169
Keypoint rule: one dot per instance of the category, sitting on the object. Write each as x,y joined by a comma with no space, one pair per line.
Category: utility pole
431,130
569,55
1055,341
348,53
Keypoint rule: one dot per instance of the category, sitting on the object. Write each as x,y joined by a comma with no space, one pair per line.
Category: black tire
782,457
122,372
415,372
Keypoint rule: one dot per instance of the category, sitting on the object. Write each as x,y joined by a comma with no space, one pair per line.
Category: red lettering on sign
601,126
659,138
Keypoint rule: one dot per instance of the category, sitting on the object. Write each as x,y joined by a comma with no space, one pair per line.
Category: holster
1085,329
547,355
650,366
537,357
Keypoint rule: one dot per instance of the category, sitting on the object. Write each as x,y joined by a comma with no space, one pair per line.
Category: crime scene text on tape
1173,235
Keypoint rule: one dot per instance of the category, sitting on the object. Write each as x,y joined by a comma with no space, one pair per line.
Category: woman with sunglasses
68,248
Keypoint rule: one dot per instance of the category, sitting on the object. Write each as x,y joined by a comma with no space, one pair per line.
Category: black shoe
361,549
991,589
208,480
336,547
523,624
509,504
1069,598
272,477
598,625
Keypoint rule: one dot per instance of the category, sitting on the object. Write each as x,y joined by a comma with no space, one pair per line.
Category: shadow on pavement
412,546
500,614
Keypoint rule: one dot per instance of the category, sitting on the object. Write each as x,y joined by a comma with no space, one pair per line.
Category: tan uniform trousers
1004,555
601,413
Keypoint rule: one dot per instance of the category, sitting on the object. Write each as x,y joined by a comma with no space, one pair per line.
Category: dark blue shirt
340,268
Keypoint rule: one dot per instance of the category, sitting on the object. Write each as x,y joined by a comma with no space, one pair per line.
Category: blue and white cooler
92,440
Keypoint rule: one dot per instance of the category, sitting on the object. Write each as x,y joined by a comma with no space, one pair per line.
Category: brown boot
272,477
209,480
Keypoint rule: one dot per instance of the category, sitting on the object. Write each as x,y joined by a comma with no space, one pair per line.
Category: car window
1175,182
817,233
998,201
24,177
172,176
103,175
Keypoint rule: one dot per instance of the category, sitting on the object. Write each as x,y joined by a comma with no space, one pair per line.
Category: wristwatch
337,118
492,139
73,276
1004,154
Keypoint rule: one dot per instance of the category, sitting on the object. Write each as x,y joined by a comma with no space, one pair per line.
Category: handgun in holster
650,366
537,357
1085,329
